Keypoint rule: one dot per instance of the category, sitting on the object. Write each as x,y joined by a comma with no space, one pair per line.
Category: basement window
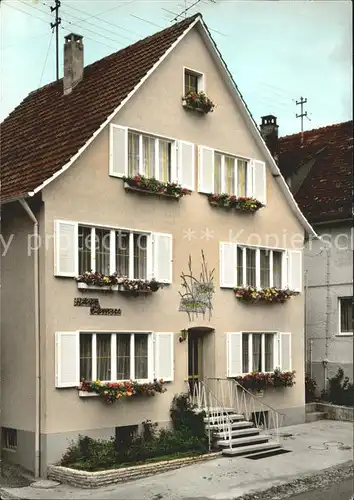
125,435
9,439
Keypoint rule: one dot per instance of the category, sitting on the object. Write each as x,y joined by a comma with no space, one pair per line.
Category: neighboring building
319,171
64,150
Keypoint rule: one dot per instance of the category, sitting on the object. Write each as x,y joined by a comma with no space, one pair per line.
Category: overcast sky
276,50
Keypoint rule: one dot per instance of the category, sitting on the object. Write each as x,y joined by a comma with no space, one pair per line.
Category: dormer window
193,81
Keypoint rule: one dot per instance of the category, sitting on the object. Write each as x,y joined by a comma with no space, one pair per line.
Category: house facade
318,169
122,117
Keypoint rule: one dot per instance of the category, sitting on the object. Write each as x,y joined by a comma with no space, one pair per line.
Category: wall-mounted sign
197,294
95,308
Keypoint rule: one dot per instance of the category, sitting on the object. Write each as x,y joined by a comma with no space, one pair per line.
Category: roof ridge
326,127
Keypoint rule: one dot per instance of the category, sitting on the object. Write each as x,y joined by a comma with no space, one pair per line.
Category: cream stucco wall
87,193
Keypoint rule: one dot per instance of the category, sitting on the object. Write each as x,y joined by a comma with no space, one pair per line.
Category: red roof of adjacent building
326,193
47,129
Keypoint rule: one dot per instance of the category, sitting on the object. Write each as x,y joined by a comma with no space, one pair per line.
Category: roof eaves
118,108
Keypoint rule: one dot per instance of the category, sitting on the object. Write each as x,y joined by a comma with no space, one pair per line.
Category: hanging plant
247,204
122,283
198,101
152,185
113,391
267,295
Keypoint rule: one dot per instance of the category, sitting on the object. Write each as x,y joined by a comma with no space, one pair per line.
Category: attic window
193,81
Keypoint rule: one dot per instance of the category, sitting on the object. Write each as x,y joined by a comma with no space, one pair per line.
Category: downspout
37,337
328,307
305,332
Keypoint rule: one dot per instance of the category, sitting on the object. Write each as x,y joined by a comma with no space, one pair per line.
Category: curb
6,495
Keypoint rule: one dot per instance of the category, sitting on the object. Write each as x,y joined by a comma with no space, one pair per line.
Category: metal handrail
248,392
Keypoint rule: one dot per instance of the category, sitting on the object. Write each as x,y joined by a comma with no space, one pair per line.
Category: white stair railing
204,400
233,395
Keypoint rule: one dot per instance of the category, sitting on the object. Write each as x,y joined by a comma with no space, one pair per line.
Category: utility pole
302,115
56,26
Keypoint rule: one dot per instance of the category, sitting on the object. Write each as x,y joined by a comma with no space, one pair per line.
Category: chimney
269,131
73,62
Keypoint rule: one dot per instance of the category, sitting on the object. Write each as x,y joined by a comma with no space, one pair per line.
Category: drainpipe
305,326
328,307
37,337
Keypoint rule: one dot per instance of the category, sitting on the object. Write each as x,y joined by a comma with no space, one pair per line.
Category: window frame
235,158
250,347
6,438
340,333
157,138
112,249
258,249
200,79
114,334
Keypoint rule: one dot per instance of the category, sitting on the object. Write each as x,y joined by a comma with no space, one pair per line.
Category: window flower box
268,295
244,203
115,282
260,381
113,391
198,101
142,184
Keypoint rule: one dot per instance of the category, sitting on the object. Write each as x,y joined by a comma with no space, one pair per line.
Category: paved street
339,491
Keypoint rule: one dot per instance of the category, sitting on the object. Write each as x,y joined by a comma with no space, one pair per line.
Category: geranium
199,101
132,285
113,391
152,185
269,295
259,381
248,204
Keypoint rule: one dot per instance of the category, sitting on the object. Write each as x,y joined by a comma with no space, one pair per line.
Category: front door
194,359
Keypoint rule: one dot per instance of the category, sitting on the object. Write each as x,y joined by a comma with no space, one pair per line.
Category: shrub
310,389
340,390
184,418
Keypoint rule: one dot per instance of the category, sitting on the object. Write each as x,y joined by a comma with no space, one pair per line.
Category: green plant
258,381
185,417
266,295
246,203
199,100
310,389
340,390
113,391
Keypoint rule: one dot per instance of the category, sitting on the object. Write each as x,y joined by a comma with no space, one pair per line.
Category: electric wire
46,58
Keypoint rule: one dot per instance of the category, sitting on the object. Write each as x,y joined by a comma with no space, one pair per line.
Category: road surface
338,491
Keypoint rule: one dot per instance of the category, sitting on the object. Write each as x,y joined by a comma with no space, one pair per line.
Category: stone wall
85,479
332,412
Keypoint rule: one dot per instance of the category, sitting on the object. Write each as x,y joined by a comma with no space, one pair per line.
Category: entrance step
248,431
267,454
224,418
242,424
237,442
315,415
254,448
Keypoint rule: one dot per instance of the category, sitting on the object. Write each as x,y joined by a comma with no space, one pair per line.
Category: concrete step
315,415
266,453
243,424
224,418
236,442
254,448
248,431
217,409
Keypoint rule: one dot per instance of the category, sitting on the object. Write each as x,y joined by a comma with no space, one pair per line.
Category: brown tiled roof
326,193
43,133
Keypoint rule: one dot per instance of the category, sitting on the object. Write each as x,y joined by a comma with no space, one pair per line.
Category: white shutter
250,179
66,252
228,265
164,357
234,354
186,164
285,352
118,151
205,170
260,186
67,359
295,270
162,257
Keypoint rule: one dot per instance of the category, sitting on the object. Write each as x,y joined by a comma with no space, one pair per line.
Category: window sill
127,187
344,334
115,288
85,394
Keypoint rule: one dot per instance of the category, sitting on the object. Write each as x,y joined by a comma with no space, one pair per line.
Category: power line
46,58
147,21
27,13
301,115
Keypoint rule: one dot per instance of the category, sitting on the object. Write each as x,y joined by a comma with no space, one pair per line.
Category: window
230,175
125,435
193,81
258,353
346,314
126,254
9,438
259,267
150,156
115,356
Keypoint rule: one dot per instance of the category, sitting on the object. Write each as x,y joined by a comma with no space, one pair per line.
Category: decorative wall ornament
95,308
197,295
